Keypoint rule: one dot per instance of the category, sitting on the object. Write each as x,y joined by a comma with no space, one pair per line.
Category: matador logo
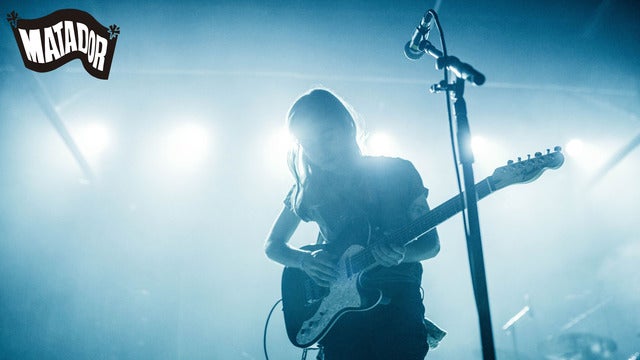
51,41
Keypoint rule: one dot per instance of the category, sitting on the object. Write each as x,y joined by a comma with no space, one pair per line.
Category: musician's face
328,146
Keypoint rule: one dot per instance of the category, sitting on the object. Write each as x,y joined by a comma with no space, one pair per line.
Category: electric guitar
311,310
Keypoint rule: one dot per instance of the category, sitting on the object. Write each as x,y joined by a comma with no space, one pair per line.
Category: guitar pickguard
344,295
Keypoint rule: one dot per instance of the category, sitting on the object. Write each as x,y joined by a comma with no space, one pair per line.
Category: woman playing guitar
352,197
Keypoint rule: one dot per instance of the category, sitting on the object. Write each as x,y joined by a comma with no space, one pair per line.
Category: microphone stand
474,240
465,72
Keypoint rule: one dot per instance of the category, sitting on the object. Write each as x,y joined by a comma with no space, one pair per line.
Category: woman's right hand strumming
320,266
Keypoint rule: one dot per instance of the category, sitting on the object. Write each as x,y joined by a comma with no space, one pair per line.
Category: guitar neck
438,215
513,173
407,234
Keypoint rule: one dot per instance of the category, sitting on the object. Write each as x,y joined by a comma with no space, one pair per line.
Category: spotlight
589,155
480,146
92,140
378,144
279,145
575,148
488,152
187,146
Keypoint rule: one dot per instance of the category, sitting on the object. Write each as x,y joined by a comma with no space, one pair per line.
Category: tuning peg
538,154
548,151
528,156
557,148
510,162
519,159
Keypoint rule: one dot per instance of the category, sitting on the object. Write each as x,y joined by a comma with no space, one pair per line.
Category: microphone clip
440,87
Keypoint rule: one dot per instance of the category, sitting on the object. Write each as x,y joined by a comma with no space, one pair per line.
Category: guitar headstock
524,171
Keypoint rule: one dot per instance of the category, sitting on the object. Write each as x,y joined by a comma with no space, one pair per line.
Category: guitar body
311,310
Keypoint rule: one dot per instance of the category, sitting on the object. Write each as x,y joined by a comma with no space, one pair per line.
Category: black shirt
376,195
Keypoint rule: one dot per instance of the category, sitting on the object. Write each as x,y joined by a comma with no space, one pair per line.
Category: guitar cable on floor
266,325
264,335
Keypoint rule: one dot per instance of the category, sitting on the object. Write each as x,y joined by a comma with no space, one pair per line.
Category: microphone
412,48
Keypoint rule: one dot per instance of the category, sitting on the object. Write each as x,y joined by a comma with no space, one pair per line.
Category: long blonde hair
317,105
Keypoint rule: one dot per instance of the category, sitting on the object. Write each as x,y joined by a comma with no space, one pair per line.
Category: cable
450,117
454,146
266,325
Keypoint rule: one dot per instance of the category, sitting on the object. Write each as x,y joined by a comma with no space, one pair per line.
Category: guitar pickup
313,293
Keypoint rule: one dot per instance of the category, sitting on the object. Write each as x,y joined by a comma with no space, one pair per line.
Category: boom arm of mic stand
460,69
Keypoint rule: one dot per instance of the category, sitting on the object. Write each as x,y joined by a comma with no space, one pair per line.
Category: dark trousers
394,331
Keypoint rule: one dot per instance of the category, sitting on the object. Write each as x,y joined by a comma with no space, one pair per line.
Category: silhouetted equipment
505,354
578,346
